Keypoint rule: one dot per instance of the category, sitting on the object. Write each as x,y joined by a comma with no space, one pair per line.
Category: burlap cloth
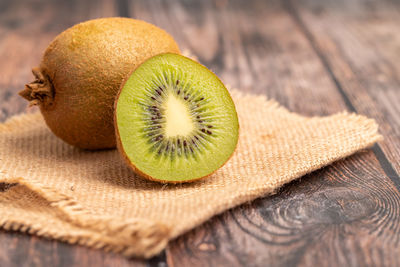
93,199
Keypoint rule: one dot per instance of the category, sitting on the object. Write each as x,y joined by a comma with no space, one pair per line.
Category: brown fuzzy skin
130,163
81,72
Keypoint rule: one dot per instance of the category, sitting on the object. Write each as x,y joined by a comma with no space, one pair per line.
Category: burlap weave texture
92,198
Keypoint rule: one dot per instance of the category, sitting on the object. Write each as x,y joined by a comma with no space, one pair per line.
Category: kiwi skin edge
125,157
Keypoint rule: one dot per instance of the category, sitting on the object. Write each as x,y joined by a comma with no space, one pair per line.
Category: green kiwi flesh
175,120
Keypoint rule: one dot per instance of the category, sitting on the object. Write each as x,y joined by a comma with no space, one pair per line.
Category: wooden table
314,57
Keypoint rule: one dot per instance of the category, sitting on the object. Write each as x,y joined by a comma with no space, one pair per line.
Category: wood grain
246,47
21,250
278,59
301,54
343,215
26,28
360,43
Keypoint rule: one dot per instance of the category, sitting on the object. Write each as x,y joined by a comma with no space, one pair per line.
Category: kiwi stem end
40,91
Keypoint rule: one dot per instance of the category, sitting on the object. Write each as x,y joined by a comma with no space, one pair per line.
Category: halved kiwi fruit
174,119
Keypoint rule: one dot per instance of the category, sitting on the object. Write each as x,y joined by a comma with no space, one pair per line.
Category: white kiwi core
178,119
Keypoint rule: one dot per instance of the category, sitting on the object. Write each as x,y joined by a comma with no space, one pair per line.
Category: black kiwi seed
153,98
198,117
179,91
186,97
184,143
179,142
177,82
209,126
203,130
209,132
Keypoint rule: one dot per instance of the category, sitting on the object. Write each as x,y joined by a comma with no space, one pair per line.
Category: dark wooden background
314,57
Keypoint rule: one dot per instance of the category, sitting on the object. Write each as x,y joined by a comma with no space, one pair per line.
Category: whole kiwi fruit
80,74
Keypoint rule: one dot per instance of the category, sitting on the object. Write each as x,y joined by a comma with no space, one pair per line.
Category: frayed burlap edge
132,238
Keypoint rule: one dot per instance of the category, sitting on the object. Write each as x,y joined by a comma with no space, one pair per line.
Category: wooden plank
26,28
260,48
245,46
23,250
343,215
359,41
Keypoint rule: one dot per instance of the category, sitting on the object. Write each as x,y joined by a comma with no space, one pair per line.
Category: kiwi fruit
81,72
175,120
